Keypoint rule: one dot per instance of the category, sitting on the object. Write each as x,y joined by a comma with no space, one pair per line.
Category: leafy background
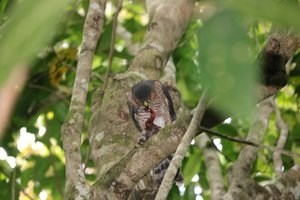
219,56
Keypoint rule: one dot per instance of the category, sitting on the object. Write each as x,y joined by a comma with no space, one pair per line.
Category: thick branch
122,177
287,187
169,21
291,190
76,186
113,135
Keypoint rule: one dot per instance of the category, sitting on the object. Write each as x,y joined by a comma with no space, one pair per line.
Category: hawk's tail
160,170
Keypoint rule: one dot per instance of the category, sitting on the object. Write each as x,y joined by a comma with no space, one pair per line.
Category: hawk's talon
142,139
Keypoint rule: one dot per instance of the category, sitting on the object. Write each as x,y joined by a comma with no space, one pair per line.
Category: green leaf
261,178
227,129
191,167
174,193
3,4
5,193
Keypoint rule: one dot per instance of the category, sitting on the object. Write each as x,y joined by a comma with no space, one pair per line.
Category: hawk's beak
146,104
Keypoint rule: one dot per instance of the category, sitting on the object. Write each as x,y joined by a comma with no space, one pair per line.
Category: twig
112,45
247,142
13,184
17,187
284,131
218,150
182,149
40,87
234,139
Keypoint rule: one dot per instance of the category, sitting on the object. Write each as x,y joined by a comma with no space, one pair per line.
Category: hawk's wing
170,103
133,109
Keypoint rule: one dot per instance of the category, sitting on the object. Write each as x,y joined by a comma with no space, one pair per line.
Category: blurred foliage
217,53
224,61
24,21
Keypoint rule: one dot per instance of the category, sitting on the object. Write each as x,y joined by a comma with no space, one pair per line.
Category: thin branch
40,87
216,148
284,131
277,149
234,139
169,73
112,46
13,184
182,149
213,166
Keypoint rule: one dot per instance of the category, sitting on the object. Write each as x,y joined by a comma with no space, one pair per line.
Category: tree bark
76,186
286,187
213,166
239,175
120,163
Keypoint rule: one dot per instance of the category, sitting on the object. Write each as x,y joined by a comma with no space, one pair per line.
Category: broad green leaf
227,69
